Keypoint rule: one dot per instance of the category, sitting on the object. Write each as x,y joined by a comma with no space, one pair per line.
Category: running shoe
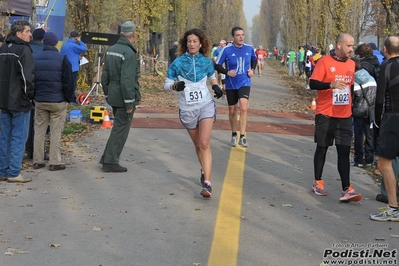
243,142
206,191
387,214
233,142
318,188
350,195
356,164
202,179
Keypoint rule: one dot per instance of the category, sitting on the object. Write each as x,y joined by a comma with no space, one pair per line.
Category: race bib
195,93
341,96
260,57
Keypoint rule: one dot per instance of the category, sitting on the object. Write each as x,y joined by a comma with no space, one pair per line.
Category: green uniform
121,88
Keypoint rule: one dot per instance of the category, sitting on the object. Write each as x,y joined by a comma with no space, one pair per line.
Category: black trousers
363,140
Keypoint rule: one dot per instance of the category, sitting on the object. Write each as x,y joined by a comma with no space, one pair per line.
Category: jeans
301,67
363,136
291,68
13,135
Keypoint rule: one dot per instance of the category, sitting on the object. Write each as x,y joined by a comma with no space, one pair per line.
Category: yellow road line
224,249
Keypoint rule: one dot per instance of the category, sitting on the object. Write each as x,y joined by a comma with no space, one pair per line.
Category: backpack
375,72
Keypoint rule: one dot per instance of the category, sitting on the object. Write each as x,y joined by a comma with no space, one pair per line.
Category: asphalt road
154,215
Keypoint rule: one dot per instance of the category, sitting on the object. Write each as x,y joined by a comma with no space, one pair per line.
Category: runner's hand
218,91
179,86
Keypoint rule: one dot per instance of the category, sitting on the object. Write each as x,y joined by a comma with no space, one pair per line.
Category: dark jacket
120,75
53,76
172,54
16,75
371,64
37,46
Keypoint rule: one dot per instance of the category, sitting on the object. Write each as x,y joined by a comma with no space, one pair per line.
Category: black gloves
218,91
179,86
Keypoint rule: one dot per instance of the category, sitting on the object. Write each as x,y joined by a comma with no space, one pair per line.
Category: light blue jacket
364,82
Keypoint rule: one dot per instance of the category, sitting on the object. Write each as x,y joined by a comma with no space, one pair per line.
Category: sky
251,8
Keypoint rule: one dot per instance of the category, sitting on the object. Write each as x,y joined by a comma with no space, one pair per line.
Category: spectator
173,52
37,41
37,46
73,48
363,99
301,60
53,92
308,65
16,94
121,89
275,52
368,60
386,106
291,58
1,40
377,53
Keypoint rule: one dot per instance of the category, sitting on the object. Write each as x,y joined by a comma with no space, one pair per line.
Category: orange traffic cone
313,104
106,121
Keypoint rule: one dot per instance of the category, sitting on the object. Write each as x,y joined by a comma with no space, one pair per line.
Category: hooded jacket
16,75
365,86
371,64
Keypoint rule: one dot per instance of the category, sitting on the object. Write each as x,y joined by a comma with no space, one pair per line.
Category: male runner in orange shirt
333,78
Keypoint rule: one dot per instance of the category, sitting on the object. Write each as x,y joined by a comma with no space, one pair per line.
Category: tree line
291,23
318,22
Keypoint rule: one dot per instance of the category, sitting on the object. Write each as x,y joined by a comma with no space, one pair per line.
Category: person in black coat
16,94
173,52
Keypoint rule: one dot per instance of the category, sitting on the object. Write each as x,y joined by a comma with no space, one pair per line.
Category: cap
128,26
223,41
74,34
38,34
373,46
50,39
176,43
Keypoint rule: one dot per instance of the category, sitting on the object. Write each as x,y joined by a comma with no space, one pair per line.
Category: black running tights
343,163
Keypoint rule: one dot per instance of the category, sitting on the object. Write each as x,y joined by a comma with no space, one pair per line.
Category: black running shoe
206,191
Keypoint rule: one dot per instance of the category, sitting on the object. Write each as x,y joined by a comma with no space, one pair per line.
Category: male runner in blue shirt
240,61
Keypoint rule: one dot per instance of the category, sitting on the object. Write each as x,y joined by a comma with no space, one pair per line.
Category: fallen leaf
55,245
95,228
286,205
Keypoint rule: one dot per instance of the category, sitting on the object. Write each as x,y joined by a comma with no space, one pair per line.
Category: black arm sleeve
220,69
253,64
318,85
382,85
